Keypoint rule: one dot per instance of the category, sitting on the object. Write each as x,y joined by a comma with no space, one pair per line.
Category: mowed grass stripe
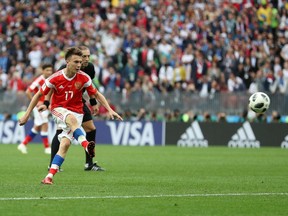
145,196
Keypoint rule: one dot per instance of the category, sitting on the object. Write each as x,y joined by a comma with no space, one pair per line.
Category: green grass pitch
147,181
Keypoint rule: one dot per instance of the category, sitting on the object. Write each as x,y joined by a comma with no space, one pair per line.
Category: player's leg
44,131
30,136
70,122
57,160
44,137
90,129
55,146
38,121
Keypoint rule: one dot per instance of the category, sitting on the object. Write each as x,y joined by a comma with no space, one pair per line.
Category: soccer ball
259,102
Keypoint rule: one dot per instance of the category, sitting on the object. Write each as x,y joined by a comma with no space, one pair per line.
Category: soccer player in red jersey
40,118
67,87
87,122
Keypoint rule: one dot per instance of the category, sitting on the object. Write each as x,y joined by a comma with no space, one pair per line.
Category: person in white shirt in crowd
165,72
35,56
235,83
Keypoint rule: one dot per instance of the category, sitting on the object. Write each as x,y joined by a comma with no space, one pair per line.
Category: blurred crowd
151,47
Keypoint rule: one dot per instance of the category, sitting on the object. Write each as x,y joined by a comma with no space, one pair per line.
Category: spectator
16,84
285,69
213,72
35,56
166,75
204,86
280,84
199,67
130,72
264,14
187,59
165,49
111,42
5,62
4,79
244,73
284,52
239,37
113,82
179,73
235,83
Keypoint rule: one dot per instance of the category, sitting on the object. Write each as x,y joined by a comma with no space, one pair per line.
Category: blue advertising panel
12,133
132,133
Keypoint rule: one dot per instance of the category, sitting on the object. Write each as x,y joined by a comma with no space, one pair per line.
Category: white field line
143,196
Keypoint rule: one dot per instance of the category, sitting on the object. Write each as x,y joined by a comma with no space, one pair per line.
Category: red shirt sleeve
45,89
91,90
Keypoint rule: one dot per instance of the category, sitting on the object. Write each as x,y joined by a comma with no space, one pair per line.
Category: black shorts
87,113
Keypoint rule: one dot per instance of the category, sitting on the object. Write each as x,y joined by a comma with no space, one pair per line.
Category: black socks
90,136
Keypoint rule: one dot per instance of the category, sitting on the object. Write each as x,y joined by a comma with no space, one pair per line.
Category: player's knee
71,120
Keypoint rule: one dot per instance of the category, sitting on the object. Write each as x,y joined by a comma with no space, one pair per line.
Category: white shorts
59,115
40,117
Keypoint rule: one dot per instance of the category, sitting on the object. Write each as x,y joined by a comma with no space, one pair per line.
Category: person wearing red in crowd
40,118
66,87
16,84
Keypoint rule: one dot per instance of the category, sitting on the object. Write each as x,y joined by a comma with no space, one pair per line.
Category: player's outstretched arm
29,94
112,114
46,102
31,106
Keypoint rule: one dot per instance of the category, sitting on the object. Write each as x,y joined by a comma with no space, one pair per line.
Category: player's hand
23,120
112,114
42,108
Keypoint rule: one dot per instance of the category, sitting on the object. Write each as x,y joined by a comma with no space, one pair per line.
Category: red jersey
36,86
68,91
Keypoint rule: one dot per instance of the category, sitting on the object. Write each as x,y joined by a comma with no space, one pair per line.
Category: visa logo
132,133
